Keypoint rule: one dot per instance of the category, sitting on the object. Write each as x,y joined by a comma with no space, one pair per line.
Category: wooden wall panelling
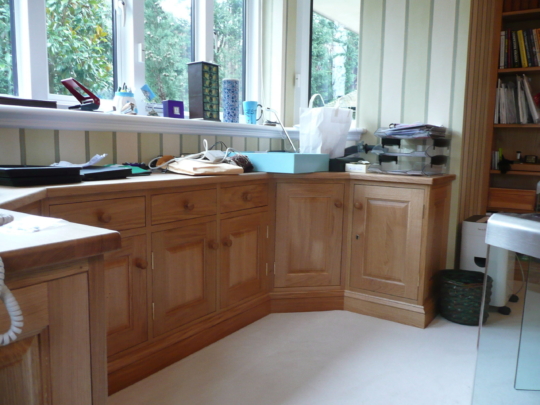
482,66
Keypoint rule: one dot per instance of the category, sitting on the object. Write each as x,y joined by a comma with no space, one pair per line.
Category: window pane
7,65
229,41
80,45
167,38
334,54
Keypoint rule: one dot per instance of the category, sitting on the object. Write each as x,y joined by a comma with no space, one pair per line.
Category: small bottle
518,156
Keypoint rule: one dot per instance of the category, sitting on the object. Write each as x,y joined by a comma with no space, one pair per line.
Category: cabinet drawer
243,197
180,206
117,214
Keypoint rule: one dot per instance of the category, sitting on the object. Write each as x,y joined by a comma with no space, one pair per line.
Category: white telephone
9,300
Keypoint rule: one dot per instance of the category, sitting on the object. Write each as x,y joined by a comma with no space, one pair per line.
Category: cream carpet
313,358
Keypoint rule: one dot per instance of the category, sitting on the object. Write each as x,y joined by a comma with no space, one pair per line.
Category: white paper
91,162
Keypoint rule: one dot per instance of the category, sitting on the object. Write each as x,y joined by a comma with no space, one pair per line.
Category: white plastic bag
324,129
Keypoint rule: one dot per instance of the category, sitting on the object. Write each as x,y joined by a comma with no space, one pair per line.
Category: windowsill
48,118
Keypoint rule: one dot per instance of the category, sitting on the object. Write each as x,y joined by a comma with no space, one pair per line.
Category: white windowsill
48,118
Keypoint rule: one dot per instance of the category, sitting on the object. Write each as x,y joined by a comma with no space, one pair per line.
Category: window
168,47
334,54
8,71
80,45
229,41
106,43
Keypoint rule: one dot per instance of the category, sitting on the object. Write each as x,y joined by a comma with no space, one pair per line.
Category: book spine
507,6
529,47
502,48
509,52
533,3
522,51
524,5
516,5
534,36
515,50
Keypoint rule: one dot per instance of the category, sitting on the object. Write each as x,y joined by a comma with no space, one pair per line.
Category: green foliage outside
167,41
80,45
228,39
332,44
6,62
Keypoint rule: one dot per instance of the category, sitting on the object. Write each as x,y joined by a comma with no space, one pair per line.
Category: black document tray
104,173
24,176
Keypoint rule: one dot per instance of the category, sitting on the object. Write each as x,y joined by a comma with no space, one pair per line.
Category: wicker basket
461,296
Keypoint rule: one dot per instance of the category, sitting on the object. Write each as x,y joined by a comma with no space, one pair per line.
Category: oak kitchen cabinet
309,224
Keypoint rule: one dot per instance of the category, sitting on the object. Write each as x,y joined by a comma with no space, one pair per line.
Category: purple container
173,109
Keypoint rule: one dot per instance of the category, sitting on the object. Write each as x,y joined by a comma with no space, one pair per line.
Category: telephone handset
13,310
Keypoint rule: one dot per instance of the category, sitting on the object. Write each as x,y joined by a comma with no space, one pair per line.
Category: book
528,48
533,109
515,50
522,51
502,50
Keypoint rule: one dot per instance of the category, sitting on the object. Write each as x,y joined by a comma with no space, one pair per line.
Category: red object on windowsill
90,102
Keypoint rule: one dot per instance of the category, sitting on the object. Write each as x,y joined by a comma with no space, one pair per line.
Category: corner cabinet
309,223
385,248
397,243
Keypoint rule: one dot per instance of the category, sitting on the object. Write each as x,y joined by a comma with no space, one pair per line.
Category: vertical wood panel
72,146
150,147
40,149
442,45
416,65
371,45
479,106
126,147
101,142
171,144
394,58
10,146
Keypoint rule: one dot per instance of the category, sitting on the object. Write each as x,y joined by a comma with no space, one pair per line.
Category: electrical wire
13,309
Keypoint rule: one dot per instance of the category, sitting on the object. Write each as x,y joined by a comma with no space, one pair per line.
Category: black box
24,176
203,83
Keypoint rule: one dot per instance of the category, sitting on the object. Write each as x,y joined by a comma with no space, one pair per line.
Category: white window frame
31,34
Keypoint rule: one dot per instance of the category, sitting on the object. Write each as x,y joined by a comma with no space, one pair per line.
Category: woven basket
461,296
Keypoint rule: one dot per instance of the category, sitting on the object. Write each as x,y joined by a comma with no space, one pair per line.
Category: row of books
515,103
516,5
519,49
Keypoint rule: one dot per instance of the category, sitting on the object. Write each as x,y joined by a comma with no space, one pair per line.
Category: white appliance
501,261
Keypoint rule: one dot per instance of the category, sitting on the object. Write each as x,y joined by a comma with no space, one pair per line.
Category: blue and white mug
250,111
231,100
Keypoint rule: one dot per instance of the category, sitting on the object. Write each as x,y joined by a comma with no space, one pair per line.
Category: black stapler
90,102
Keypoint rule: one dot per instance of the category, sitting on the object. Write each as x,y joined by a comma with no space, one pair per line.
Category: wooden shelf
522,126
516,172
532,69
506,199
521,15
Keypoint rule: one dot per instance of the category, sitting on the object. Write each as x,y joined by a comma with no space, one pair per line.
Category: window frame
31,47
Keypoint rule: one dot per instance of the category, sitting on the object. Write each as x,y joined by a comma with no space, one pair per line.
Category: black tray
24,176
94,173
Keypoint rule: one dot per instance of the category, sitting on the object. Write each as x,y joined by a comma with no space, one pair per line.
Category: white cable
13,310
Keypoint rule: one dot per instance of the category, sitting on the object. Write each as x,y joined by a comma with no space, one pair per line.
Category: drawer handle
227,242
338,204
104,217
189,206
358,205
247,197
213,245
141,263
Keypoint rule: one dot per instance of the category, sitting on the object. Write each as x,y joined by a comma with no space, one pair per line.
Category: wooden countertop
49,246
15,197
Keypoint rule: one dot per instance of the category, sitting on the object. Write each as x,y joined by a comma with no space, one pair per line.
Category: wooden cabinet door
386,240
309,220
184,275
125,288
243,252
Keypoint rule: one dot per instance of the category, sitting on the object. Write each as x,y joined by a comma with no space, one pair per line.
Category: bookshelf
515,191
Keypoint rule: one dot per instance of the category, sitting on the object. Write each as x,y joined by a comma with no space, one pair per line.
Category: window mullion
253,45
31,34
204,30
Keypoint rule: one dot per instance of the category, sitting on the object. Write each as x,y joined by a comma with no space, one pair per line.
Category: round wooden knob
141,263
104,217
189,206
338,204
213,245
227,242
247,197
358,205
